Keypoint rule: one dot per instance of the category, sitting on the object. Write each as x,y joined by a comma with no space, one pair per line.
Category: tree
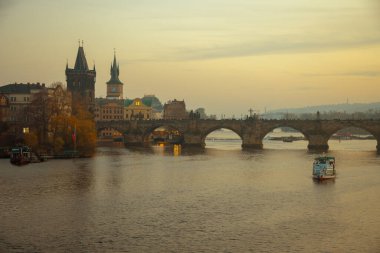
49,116
31,140
85,132
39,115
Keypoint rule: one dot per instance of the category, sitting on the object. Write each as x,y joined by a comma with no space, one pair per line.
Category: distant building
114,107
136,110
106,109
4,108
81,81
154,102
15,99
114,85
16,103
201,112
175,110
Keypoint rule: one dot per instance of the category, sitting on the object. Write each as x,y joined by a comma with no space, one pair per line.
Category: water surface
221,199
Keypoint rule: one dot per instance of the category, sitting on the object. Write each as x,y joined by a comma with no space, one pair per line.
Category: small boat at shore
20,155
324,168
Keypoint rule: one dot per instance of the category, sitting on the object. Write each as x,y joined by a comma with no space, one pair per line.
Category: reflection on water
211,200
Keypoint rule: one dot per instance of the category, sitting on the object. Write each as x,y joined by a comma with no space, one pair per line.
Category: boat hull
321,178
20,162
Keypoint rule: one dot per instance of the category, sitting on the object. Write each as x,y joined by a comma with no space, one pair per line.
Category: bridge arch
173,134
350,125
352,132
229,139
218,127
297,128
108,131
285,138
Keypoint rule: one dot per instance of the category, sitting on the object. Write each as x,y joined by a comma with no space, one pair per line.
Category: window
3,100
138,103
13,99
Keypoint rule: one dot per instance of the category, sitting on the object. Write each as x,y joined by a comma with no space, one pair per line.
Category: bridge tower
81,81
114,85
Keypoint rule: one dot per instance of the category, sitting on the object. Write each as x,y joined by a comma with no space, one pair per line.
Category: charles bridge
251,131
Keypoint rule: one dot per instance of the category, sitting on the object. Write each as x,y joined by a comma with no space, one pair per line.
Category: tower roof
114,72
81,62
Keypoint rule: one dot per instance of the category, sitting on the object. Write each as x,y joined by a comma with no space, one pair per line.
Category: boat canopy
324,158
18,149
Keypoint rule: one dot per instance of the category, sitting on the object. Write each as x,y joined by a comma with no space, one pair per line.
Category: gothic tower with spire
114,85
81,81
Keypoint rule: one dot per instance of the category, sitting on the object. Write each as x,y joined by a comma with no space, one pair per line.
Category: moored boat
20,155
324,168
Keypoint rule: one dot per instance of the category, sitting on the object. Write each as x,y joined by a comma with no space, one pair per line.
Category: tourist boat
324,168
20,155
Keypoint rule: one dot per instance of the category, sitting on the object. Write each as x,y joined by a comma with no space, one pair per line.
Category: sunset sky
224,55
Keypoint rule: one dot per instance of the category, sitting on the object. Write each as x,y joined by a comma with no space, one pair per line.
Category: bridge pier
134,140
252,141
252,146
193,140
318,143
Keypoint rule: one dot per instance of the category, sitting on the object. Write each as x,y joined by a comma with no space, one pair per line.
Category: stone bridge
251,131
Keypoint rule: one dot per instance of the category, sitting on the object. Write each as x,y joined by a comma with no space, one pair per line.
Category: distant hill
348,108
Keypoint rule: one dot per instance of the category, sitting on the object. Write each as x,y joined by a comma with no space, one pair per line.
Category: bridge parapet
252,132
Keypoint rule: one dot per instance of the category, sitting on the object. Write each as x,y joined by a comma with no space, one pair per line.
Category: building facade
21,104
136,110
175,110
16,98
81,81
107,110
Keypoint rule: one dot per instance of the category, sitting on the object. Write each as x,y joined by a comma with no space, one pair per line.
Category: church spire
114,72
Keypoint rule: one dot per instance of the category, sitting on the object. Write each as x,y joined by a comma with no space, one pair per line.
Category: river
221,199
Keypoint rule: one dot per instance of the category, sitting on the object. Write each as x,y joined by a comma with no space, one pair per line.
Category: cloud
366,73
306,88
363,73
274,46
5,6
249,28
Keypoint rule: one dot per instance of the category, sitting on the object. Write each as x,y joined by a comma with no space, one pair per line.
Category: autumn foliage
58,124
